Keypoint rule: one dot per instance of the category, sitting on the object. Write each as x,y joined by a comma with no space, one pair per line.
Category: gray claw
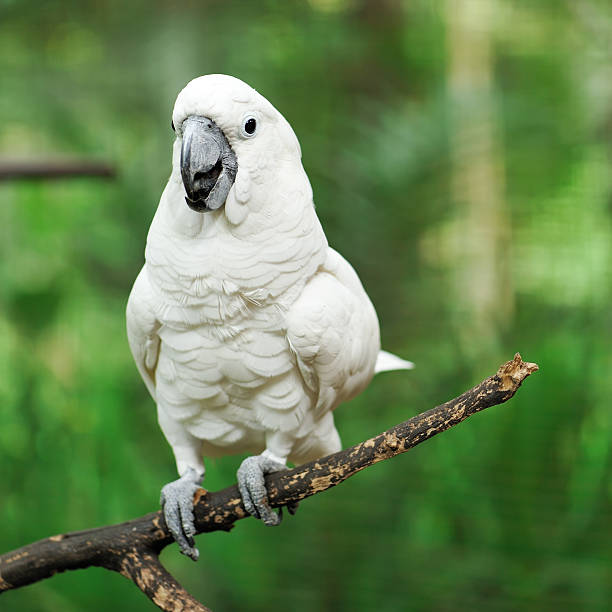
252,486
177,507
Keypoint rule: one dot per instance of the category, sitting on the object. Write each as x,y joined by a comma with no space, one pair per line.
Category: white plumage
247,328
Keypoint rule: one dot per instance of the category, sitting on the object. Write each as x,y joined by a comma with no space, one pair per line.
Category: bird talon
251,483
177,508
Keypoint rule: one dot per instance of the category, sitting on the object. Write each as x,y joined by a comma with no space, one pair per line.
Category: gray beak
208,164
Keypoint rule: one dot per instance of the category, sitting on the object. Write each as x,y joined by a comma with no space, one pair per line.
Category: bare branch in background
11,170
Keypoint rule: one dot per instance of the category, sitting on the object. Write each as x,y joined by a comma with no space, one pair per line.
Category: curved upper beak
208,164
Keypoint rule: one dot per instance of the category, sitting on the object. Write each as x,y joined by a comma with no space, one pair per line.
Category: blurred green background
459,153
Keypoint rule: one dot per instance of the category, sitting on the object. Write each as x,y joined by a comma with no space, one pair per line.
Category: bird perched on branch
247,328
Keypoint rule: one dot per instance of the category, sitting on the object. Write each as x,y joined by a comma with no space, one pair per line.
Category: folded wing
142,327
333,331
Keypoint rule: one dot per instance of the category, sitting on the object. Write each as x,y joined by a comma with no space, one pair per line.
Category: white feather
388,361
245,326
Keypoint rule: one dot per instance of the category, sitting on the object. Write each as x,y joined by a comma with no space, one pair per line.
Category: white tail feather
389,361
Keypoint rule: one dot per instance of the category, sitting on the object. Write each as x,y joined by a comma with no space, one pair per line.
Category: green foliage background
509,511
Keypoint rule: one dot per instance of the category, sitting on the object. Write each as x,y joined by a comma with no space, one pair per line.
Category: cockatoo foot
253,489
177,507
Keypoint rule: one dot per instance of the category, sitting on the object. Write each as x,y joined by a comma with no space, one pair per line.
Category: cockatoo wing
345,273
142,327
333,331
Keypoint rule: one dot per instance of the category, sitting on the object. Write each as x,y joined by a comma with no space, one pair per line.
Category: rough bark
133,548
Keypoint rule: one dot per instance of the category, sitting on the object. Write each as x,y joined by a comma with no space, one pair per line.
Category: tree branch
54,169
133,548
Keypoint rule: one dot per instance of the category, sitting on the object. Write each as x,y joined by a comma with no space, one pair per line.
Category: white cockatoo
247,328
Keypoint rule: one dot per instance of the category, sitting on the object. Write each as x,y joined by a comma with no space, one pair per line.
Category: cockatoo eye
249,126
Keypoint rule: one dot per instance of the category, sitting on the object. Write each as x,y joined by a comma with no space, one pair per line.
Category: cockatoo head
230,137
